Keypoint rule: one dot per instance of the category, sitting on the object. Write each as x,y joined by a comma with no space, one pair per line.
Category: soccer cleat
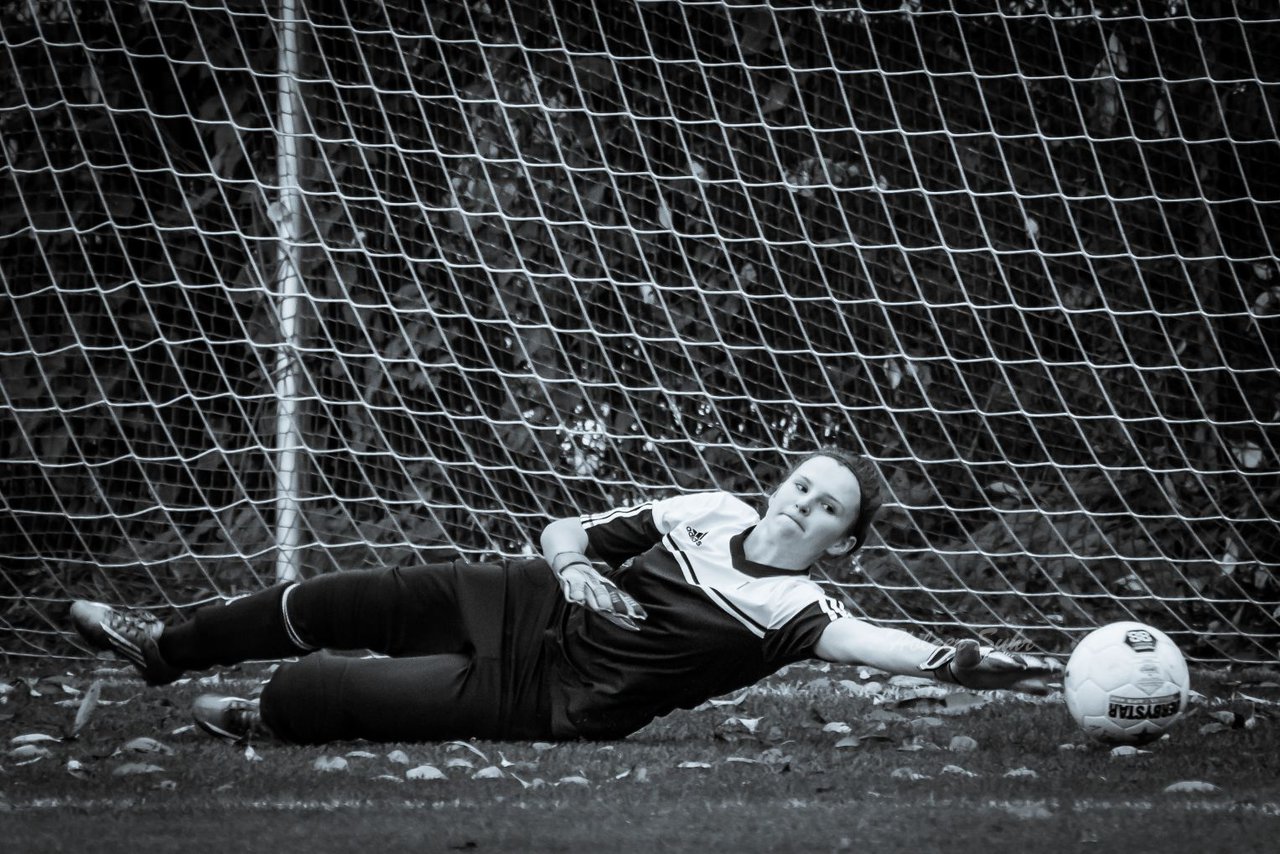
970,665
232,718
132,635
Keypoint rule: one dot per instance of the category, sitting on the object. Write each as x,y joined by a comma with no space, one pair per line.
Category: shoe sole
220,733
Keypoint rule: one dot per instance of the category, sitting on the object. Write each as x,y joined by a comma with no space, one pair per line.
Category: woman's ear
841,547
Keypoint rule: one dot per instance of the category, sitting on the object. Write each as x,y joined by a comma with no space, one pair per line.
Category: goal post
288,448
405,280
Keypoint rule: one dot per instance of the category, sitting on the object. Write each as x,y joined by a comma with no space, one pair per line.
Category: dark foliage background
561,255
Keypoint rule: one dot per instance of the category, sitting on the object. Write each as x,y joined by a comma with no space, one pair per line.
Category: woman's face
814,507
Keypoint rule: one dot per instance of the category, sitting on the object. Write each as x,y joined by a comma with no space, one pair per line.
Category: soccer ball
1126,683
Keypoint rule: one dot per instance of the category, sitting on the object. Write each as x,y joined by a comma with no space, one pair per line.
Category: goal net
300,286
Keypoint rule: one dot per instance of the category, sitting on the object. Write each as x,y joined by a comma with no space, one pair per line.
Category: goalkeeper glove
625,610
971,665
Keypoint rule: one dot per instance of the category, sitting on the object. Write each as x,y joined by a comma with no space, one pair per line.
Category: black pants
467,651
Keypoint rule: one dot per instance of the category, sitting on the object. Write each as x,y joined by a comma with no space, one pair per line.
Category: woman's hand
971,665
583,585
564,545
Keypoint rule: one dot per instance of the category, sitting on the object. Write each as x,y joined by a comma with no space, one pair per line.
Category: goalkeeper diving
629,614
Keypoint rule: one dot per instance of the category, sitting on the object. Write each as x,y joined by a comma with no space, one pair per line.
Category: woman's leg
471,640
422,610
326,698
250,627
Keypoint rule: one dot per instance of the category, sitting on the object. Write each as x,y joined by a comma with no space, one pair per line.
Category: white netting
507,261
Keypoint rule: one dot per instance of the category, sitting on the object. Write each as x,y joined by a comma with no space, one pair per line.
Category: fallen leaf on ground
84,712
330,763
462,745
425,772
1126,750
1191,786
957,771
145,744
28,752
749,724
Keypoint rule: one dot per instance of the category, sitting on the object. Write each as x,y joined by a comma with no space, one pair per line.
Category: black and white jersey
716,620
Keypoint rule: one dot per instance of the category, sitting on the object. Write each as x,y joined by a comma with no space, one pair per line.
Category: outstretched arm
852,641
966,663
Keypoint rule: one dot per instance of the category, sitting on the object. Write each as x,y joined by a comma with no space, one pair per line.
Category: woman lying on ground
702,596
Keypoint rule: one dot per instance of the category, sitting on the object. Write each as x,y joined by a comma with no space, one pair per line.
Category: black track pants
466,644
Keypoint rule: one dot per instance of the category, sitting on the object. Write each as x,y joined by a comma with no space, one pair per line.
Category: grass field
814,759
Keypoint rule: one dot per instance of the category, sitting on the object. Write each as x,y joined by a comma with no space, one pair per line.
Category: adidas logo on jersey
694,536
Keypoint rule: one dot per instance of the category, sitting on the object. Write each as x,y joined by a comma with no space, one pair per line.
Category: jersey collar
750,567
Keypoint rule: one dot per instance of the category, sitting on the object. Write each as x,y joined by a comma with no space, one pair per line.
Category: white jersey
716,620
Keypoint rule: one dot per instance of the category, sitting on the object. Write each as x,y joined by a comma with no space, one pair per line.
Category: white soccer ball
1126,683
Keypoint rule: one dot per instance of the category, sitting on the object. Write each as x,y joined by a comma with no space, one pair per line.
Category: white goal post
299,286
